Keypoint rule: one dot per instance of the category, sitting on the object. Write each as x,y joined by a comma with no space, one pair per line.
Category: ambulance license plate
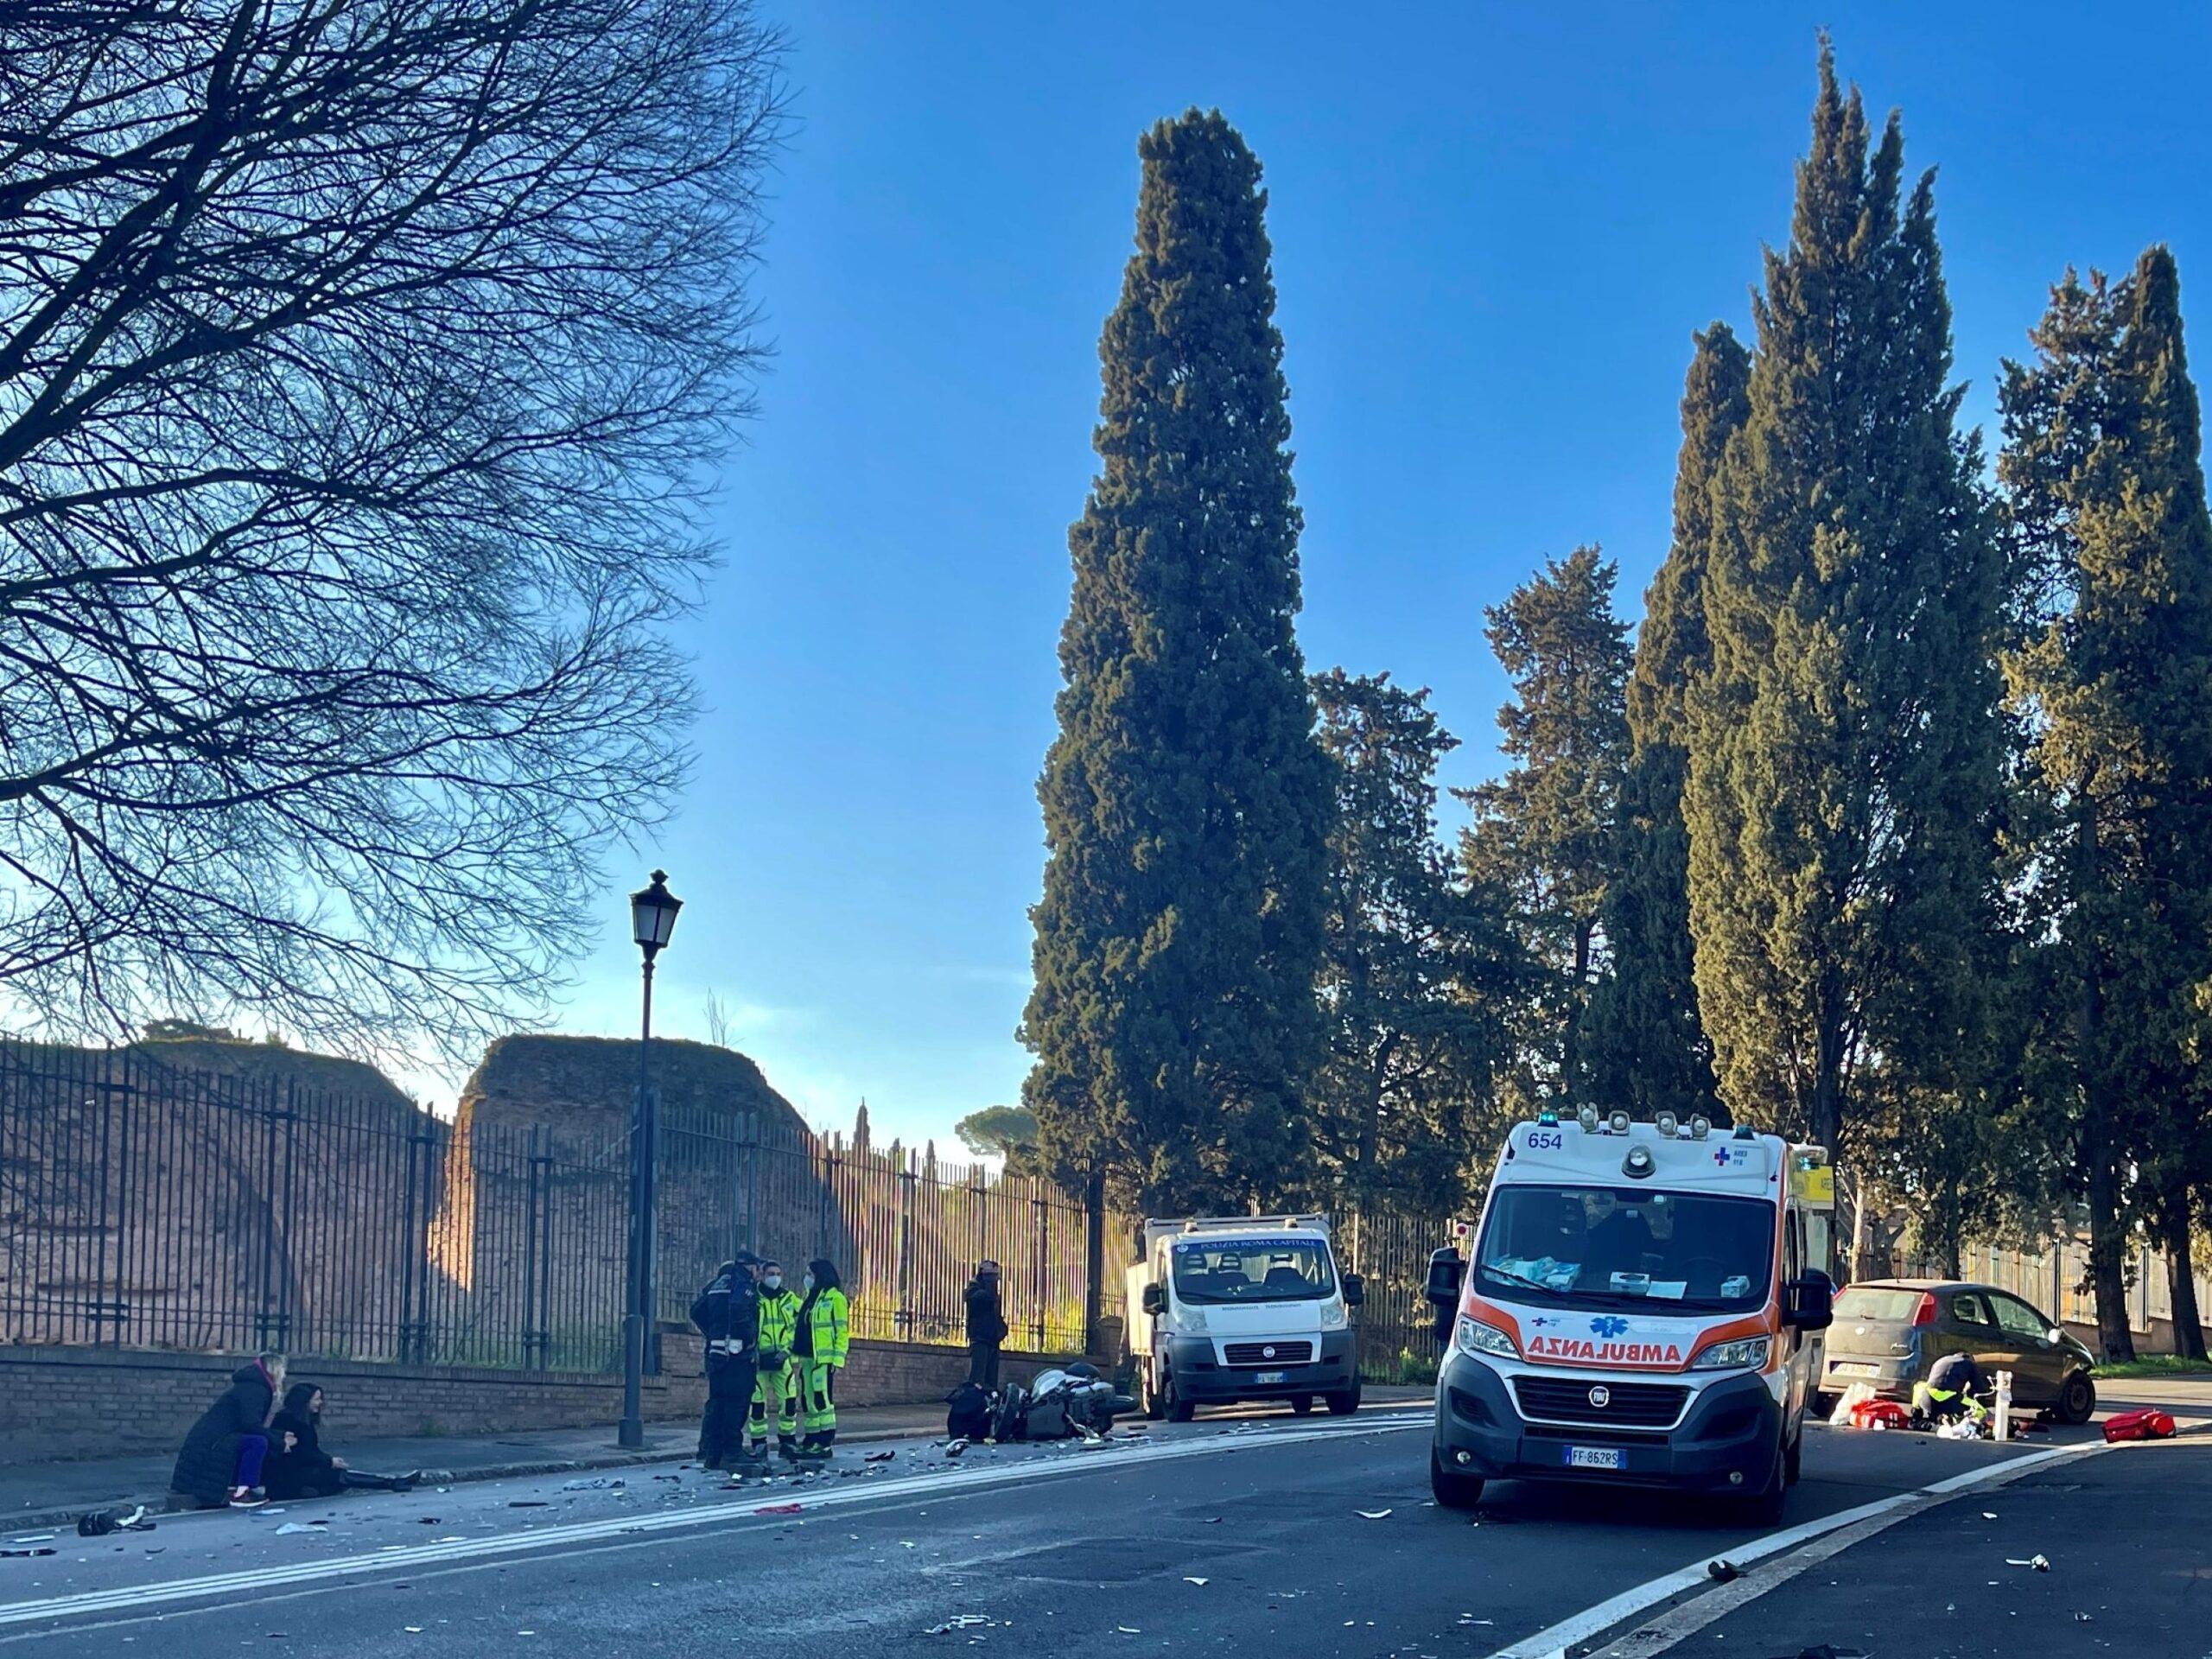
1593,1457
1271,1377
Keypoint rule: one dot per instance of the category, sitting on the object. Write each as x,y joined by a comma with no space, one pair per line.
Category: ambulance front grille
1627,1405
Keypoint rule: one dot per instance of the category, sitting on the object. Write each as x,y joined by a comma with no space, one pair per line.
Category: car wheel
1344,1402
1453,1490
1301,1404
1174,1406
2077,1400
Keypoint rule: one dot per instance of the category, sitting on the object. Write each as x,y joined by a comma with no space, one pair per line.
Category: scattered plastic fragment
2038,1562
780,1508
34,1549
592,1483
880,1457
957,1622
1201,1583
954,1448
1128,1629
291,1527
527,1503
1722,1572
1372,1514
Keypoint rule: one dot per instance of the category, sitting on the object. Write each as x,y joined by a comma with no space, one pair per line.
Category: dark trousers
729,1395
984,1364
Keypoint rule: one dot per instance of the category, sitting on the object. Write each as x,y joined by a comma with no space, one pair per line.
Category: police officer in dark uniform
728,1313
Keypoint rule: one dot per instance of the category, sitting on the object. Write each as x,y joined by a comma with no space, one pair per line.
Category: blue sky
1495,228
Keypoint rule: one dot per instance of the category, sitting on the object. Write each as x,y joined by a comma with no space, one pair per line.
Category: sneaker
247,1497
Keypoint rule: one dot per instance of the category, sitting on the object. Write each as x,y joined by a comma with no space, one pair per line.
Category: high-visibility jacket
779,1320
825,1337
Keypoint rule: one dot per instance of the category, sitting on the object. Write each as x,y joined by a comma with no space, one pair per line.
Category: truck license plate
1593,1457
1847,1368
1271,1377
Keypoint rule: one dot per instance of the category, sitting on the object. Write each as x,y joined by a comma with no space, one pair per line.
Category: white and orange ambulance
1643,1306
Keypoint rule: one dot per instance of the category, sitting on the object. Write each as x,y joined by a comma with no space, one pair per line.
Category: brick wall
58,1403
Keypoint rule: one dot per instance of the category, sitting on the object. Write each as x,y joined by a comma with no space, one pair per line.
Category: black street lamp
652,920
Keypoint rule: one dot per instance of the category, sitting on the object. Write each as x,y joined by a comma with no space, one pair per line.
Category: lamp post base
629,1434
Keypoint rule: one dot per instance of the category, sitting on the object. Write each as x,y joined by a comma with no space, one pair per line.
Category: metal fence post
903,1321
1039,1219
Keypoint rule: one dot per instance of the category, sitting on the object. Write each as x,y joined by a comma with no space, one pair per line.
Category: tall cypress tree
2108,492
1647,1047
1542,834
1844,750
1187,803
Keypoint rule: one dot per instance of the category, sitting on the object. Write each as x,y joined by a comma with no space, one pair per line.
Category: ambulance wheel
2077,1399
1344,1402
1453,1490
1301,1404
1764,1509
1793,1459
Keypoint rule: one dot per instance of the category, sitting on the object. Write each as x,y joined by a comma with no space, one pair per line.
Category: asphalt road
1249,1537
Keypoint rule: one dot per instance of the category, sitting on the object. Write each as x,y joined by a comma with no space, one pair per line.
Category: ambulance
1642,1305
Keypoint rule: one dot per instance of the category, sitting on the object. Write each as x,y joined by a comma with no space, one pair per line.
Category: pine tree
2108,491
1187,803
1419,972
1543,832
1844,749
1647,1047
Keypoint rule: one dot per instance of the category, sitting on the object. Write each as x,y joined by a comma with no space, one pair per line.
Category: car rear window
1878,1303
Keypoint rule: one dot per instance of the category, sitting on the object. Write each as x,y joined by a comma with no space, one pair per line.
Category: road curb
168,1503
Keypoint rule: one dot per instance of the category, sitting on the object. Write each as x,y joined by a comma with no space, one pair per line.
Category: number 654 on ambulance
1643,1306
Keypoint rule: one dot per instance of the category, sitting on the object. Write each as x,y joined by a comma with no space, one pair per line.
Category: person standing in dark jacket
986,1324
299,1467
728,1313
220,1460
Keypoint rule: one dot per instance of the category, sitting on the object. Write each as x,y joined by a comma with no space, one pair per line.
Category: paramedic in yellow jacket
818,1346
775,1399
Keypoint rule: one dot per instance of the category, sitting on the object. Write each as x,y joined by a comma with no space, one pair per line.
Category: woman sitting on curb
299,1467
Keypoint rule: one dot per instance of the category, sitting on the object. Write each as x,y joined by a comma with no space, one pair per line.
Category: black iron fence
149,1206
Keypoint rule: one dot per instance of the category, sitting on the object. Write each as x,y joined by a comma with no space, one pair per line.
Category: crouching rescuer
775,1397
1951,1391
819,1341
728,1313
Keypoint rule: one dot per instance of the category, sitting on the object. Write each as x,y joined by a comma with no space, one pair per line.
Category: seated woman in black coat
299,1467
223,1453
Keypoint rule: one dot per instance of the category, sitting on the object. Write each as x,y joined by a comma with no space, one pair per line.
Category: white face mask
774,1280
807,1281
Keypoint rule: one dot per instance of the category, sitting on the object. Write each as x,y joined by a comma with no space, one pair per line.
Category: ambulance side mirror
1446,1273
1812,1302
1355,1290
1155,1299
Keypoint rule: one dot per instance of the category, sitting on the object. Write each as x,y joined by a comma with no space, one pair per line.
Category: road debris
34,1549
592,1483
292,1527
957,1622
1721,1570
2038,1562
880,1457
954,1448
781,1509
522,1503
1371,1515
1201,1583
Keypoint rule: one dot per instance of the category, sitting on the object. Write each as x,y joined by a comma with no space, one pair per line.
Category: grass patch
2154,1365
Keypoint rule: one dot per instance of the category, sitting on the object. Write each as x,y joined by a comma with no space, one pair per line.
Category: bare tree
718,1025
357,359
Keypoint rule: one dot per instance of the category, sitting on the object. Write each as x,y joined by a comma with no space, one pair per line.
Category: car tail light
1925,1313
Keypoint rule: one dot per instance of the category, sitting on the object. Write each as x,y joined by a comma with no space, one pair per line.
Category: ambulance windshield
1604,1247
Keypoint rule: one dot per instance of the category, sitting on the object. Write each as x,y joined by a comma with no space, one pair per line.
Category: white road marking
1554,1641
133,1597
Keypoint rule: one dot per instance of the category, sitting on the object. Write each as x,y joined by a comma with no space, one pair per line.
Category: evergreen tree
1187,803
1419,972
1844,753
1647,1047
2108,491
1542,833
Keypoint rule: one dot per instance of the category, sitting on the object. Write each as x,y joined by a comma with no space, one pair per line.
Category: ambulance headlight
1332,1314
1476,1337
1191,1320
1744,1354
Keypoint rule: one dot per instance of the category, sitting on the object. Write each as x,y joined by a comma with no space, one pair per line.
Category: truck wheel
1148,1393
1172,1405
2077,1400
1452,1489
1344,1402
1301,1405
